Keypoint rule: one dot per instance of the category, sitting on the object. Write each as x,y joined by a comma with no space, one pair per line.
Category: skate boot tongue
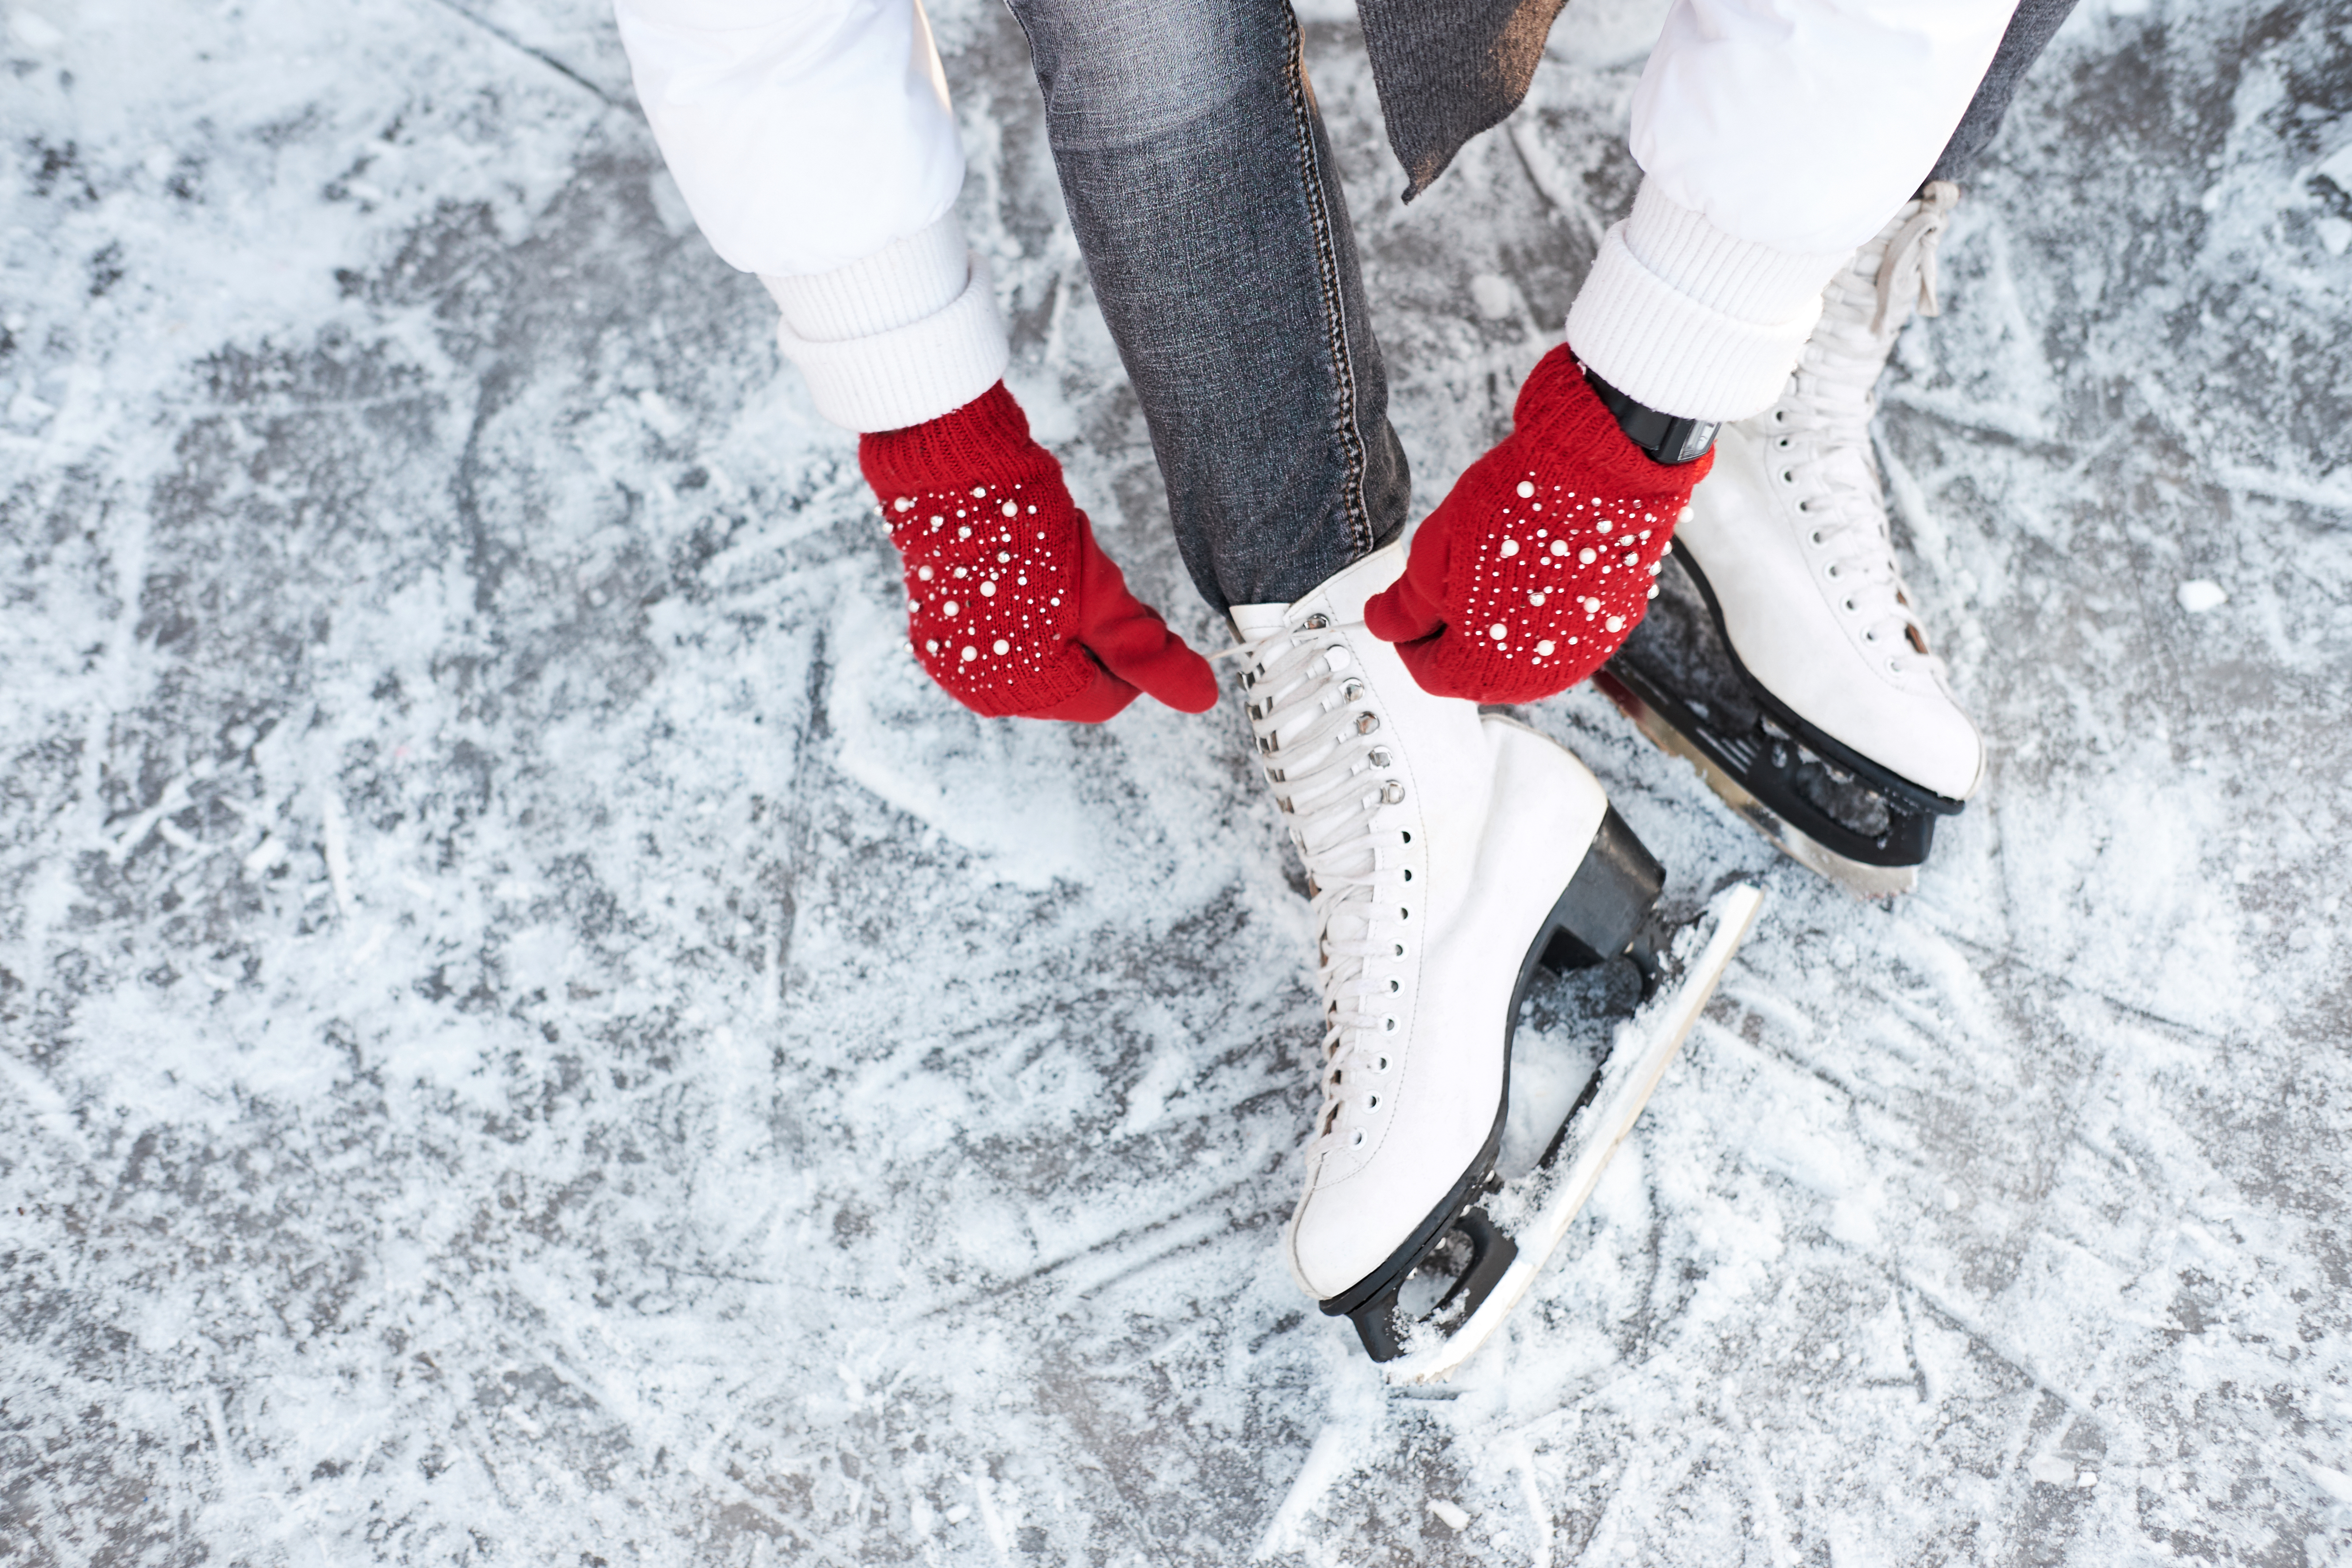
1252,622
1339,598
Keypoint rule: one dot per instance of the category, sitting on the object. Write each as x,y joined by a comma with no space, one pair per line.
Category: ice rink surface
530,1034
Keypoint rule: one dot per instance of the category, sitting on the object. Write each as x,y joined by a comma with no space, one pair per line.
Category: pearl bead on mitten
1011,605
1542,559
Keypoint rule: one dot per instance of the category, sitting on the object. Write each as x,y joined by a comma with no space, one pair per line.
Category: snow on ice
531,1034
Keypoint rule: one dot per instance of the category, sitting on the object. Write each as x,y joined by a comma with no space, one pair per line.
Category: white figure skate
1447,855
1784,656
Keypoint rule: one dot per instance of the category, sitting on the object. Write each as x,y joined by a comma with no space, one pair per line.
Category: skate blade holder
1506,1270
1376,1307
1734,767
1823,805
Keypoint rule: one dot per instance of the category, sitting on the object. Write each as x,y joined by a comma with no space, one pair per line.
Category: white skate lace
1324,755
1821,426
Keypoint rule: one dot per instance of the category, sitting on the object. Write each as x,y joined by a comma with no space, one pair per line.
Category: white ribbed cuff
904,374
903,282
1691,320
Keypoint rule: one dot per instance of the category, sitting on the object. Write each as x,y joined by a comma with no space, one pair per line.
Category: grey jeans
1207,205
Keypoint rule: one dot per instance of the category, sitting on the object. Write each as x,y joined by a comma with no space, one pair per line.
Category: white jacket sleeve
814,143
1774,136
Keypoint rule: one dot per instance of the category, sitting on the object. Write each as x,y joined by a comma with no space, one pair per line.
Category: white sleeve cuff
904,336
1681,316
906,280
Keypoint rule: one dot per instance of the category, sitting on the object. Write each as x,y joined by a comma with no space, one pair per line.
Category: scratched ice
529,1032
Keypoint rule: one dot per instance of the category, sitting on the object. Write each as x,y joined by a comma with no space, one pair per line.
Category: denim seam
1335,307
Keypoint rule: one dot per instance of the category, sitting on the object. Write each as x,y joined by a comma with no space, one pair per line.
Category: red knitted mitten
1009,604
1540,562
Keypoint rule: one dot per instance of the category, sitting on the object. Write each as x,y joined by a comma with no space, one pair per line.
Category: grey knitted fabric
2035,23
1447,70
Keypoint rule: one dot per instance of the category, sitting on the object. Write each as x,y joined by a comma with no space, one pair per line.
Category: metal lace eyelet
1352,692
1316,623
1392,793
1381,758
1367,722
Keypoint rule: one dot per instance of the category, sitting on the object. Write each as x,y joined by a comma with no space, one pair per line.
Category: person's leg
2035,23
1205,199
1448,849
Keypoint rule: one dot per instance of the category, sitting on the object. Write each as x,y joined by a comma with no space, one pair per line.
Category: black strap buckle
1666,437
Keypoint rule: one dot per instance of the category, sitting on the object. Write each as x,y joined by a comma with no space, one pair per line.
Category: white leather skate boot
1447,853
1791,534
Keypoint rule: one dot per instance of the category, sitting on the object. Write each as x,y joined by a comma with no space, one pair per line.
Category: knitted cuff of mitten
985,442
1557,411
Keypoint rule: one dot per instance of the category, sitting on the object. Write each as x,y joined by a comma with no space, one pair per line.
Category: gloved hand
1541,561
1010,603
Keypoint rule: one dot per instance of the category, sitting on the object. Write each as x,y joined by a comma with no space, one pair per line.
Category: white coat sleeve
813,142
1775,137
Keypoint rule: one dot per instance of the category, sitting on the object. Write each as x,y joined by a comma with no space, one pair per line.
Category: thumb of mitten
1414,606
1130,639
